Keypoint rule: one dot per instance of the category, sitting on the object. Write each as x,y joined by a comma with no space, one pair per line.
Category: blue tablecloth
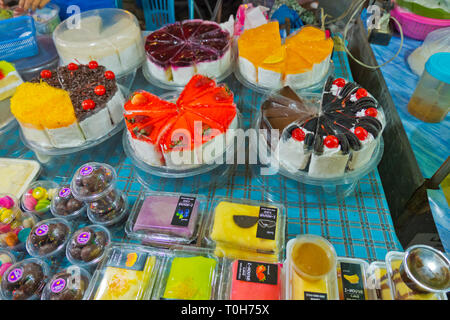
358,226
429,141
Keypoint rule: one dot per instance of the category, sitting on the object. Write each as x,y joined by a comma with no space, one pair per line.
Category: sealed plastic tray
132,269
68,284
17,174
191,273
246,229
310,269
351,277
166,218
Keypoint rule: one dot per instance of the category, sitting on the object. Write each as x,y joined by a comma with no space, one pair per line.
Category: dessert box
253,280
17,174
68,284
110,36
39,197
400,290
264,62
7,259
246,229
378,284
128,272
351,277
64,205
9,81
191,273
178,51
166,218
310,269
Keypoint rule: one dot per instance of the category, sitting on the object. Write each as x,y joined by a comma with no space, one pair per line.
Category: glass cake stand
315,87
202,175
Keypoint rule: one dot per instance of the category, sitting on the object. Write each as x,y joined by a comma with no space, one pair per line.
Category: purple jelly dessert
173,214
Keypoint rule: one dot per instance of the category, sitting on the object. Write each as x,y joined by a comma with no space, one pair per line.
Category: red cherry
360,93
93,64
361,133
72,66
88,104
339,82
109,75
298,134
371,112
2,75
331,141
45,74
100,90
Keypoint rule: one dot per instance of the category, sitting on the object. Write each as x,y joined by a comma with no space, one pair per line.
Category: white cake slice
96,125
66,137
292,154
37,136
210,69
182,75
225,61
115,107
247,70
299,80
158,72
145,151
330,164
269,78
361,157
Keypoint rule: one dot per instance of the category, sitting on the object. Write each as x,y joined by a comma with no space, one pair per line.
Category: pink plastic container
415,26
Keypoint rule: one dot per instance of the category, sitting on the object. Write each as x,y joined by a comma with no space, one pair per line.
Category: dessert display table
358,226
429,141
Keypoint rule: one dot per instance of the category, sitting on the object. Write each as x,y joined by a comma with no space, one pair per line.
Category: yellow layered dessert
9,81
299,62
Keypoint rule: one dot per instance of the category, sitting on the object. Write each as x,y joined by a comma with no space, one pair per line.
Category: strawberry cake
185,133
178,51
68,106
338,137
301,61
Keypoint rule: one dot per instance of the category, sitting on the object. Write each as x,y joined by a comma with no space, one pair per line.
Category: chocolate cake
339,135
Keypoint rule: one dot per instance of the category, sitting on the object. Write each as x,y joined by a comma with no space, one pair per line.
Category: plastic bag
436,41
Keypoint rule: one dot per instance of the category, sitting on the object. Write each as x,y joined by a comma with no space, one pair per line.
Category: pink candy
29,202
5,228
6,202
4,267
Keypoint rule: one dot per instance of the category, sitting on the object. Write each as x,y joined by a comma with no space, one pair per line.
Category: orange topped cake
299,62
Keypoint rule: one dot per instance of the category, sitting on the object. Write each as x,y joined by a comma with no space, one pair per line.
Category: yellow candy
39,193
7,216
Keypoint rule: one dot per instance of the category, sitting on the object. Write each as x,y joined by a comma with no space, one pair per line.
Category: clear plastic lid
191,273
252,280
15,225
48,238
38,197
25,280
378,284
399,288
110,36
310,269
93,181
17,174
128,272
7,259
68,284
87,245
247,229
64,204
109,210
351,276
166,217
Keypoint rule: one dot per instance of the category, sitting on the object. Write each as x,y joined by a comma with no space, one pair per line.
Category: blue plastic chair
160,12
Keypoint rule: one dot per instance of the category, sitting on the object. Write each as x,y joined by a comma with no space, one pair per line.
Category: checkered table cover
358,226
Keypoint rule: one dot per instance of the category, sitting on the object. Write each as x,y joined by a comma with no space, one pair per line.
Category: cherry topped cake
68,106
338,136
178,51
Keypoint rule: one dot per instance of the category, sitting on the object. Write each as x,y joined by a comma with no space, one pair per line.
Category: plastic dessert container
39,197
87,246
25,280
191,273
378,283
64,205
110,36
214,171
351,277
180,50
95,184
132,269
310,269
46,19
17,174
252,280
246,229
68,284
15,225
310,139
166,218
7,259
404,287
48,238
